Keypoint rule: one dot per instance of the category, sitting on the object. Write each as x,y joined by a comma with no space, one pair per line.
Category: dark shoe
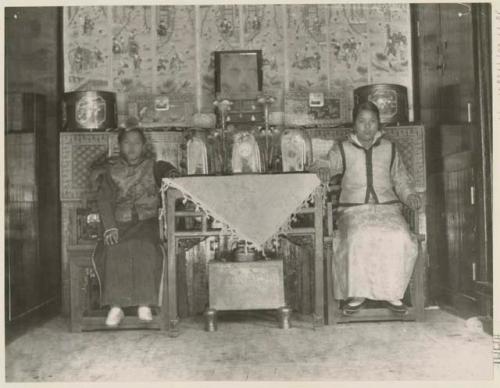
398,309
349,310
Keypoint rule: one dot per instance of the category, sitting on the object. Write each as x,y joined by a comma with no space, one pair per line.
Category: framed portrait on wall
238,74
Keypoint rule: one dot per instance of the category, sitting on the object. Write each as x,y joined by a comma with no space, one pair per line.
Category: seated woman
129,262
376,253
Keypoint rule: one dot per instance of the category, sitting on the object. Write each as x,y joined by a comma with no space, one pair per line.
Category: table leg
211,320
284,317
319,271
171,267
173,329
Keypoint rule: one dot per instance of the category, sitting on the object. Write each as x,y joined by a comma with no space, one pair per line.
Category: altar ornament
266,100
293,150
197,162
223,106
204,120
245,153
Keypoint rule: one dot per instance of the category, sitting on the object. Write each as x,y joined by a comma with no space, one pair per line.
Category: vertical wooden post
419,298
75,286
319,290
169,310
331,305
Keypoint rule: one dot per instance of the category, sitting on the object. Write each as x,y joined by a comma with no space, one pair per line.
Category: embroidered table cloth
254,207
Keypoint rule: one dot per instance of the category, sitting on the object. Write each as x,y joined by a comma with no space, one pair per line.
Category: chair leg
420,297
417,289
330,302
76,307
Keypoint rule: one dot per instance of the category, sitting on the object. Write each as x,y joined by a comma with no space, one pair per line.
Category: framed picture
238,74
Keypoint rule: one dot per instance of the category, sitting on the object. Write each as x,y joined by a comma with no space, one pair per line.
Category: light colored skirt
373,253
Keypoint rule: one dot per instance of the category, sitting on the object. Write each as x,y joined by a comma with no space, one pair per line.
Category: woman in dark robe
129,263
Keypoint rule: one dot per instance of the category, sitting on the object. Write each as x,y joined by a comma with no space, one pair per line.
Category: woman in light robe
375,252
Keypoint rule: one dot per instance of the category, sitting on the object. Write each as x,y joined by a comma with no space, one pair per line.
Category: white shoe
115,316
144,313
356,301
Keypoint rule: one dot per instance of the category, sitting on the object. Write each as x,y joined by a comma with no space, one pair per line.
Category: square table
252,207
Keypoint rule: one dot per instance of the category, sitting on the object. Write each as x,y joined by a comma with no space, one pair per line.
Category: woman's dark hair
367,105
123,132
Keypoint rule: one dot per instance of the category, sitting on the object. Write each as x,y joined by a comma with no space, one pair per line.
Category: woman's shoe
115,316
353,306
144,313
397,307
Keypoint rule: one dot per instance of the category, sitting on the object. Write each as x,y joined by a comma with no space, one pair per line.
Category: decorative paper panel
219,30
264,30
349,51
307,47
152,109
389,36
87,54
298,112
145,52
132,45
176,50
390,43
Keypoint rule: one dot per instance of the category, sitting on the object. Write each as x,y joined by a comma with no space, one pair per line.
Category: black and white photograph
249,192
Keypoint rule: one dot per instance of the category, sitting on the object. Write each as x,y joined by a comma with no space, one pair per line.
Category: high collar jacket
375,174
130,192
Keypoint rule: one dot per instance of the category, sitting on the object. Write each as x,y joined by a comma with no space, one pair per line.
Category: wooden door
456,58
461,243
22,262
447,104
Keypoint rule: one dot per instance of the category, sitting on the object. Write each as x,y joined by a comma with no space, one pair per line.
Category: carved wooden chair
81,285
415,291
410,142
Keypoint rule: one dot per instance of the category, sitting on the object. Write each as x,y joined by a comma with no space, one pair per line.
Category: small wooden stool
254,285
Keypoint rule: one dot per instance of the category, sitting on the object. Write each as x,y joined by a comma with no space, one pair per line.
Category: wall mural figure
332,48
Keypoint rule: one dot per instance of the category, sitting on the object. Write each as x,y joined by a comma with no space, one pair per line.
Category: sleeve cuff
109,230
